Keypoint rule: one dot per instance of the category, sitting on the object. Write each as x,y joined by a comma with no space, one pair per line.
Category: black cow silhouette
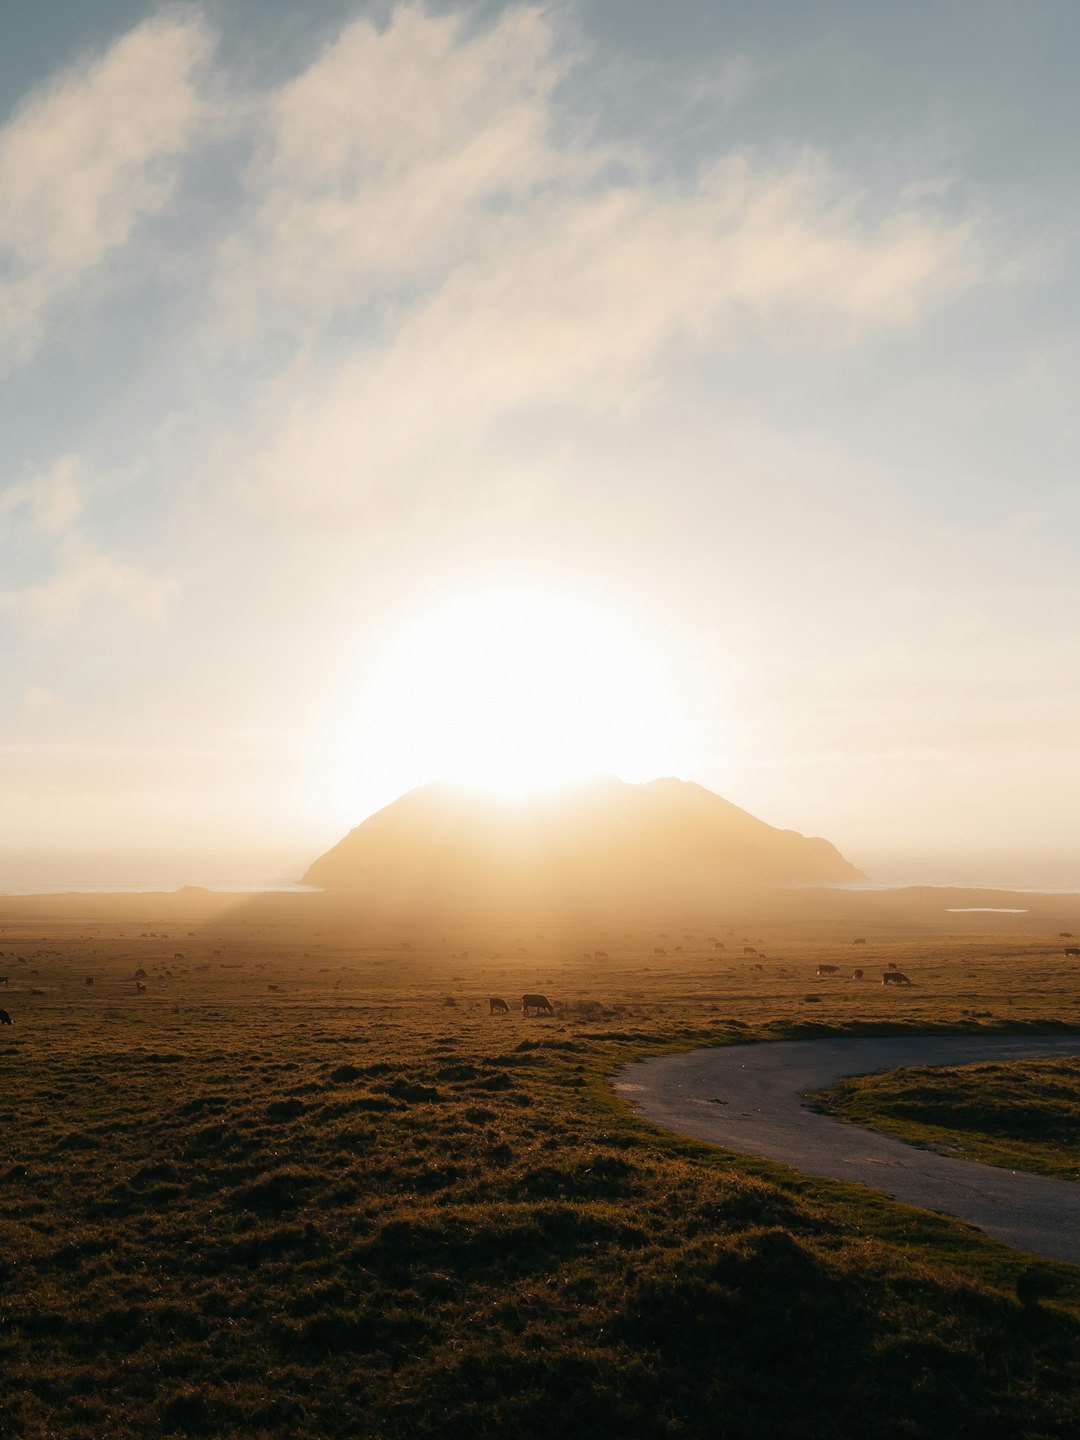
538,1003
497,1006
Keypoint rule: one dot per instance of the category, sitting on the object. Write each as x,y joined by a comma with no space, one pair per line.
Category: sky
390,391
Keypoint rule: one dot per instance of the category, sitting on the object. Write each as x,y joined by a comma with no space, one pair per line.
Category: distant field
304,1185
1024,1115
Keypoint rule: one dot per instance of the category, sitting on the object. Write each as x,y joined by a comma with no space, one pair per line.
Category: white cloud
447,252
84,160
85,573
394,156
48,508
577,300
50,500
419,189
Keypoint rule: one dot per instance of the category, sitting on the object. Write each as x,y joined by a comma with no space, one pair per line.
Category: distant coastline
25,886
23,889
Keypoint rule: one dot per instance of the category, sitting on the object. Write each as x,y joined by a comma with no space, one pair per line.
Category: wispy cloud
426,249
49,501
422,182
395,156
46,509
87,158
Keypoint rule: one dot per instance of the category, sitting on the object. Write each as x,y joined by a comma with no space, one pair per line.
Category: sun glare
512,689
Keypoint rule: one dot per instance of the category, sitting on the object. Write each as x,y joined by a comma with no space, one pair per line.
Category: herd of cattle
891,976
541,1005
537,1004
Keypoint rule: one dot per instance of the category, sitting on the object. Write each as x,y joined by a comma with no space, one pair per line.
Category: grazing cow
749,950
600,955
892,964
856,974
658,951
3,979
89,980
5,1018
719,945
678,949
140,973
894,977
140,988
1071,950
1065,935
178,955
273,987
538,1003
860,941
497,1006
585,955
827,969
759,967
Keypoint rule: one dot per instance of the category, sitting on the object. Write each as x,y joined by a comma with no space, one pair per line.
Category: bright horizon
504,394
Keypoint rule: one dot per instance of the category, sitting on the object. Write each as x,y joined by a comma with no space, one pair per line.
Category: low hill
600,843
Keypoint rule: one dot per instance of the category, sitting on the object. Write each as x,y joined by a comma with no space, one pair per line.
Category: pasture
305,1184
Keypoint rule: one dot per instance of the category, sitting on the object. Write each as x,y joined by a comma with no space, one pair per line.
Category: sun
513,688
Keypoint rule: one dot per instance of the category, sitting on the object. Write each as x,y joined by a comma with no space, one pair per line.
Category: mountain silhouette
599,843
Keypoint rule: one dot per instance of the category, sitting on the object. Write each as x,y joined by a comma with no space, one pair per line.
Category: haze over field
503,394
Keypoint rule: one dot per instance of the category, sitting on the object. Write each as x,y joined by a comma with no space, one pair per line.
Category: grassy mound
277,1237
1023,1115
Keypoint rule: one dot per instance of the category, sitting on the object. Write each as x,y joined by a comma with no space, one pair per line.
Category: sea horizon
23,884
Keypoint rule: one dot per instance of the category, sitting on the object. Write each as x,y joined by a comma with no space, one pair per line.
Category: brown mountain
598,844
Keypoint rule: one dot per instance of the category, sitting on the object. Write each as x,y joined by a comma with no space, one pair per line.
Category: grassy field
304,1185
1024,1115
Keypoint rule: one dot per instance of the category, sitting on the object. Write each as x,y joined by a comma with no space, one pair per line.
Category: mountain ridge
604,840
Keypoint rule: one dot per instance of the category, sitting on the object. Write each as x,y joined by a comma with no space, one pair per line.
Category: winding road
752,1098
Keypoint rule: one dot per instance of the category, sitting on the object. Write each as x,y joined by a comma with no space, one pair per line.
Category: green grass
356,1211
1024,1115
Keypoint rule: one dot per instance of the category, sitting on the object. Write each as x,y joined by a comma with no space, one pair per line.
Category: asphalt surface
752,1098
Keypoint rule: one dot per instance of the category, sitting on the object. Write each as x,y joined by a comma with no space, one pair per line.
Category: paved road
751,1098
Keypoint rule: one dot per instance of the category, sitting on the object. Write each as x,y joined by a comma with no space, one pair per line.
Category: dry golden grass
343,1205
